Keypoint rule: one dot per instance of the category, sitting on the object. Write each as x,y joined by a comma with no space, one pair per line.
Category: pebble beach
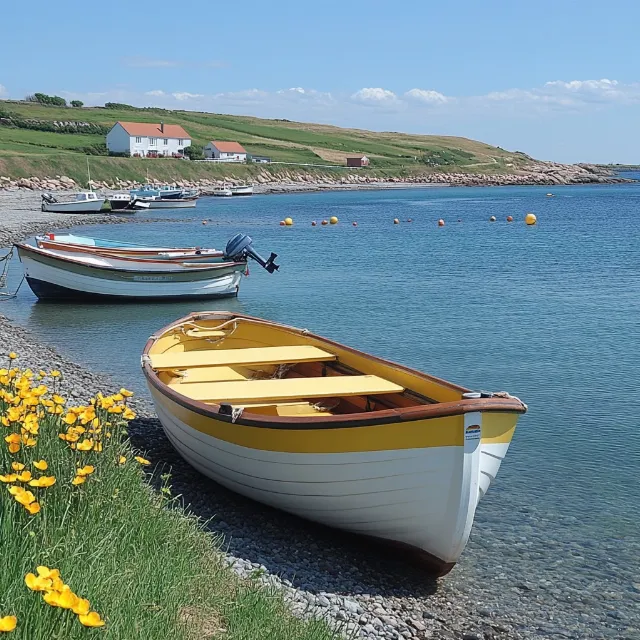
359,587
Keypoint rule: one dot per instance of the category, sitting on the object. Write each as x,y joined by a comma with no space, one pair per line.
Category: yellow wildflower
45,572
91,620
33,508
78,480
25,476
14,414
121,460
25,498
128,414
55,373
51,597
117,397
11,477
97,447
58,399
41,465
70,418
42,374
43,481
17,466
142,460
37,583
81,607
8,623
66,598
13,438
13,355
87,470
105,403
14,448
85,445
15,490
116,409
27,441
5,421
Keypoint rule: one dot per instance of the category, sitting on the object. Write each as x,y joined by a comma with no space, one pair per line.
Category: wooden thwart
206,374
231,357
286,389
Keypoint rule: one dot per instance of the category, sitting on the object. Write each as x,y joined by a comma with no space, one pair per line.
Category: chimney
162,127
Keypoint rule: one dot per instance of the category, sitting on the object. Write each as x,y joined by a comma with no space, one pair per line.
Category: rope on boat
3,277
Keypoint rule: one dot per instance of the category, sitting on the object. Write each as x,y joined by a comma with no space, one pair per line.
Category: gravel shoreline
356,585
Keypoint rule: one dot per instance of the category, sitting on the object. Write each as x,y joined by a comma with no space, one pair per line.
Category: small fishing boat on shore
329,433
126,202
162,191
83,202
170,203
242,190
61,276
69,242
222,192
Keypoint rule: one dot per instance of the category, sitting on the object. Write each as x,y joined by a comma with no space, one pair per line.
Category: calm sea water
550,313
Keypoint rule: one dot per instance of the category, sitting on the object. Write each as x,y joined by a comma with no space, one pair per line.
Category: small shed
223,150
357,161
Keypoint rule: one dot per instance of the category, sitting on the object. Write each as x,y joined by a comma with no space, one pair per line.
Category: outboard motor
48,198
240,248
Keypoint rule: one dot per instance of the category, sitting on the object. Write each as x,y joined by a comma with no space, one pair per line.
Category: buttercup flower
142,460
14,490
11,477
121,460
25,476
41,465
45,572
8,623
13,355
66,598
37,583
87,470
51,598
128,414
85,445
43,481
33,508
92,619
24,498
70,418
55,373
81,607
79,480
17,466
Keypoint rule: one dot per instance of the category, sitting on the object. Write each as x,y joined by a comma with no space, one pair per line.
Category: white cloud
427,96
375,95
183,96
155,92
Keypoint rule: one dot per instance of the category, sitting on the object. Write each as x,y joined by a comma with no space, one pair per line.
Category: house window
152,140
166,142
138,139
180,142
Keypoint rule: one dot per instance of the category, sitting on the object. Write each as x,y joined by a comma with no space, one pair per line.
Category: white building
146,139
226,151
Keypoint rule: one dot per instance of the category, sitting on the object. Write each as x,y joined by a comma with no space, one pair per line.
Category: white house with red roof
225,151
147,139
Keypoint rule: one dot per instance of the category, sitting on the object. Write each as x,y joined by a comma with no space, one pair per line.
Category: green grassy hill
24,149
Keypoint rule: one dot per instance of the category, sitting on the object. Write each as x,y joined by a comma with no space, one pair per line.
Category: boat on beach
69,242
83,202
223,192
242,190
126,202
329,433
68,275
170,203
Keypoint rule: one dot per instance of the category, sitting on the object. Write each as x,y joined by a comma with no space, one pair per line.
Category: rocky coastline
292,180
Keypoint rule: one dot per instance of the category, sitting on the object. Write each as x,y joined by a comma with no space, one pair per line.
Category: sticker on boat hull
472,432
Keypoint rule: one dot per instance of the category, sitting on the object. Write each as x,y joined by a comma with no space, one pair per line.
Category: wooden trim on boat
438,410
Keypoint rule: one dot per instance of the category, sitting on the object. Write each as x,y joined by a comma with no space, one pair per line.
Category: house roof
228,147
356,157
151,129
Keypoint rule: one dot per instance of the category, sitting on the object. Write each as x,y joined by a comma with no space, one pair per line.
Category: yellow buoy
441,222
333,220
288,221
530,218
492,219
396,221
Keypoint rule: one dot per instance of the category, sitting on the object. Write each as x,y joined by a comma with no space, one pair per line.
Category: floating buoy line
5,295
529,219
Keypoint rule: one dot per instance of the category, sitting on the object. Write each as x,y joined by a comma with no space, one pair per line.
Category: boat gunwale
385,416
198,268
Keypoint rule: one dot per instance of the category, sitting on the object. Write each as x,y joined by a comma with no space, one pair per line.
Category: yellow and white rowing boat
327,432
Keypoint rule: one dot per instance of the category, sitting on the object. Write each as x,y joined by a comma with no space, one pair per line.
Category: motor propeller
240,247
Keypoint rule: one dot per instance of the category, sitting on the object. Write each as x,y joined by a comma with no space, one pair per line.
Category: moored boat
242,190
162,191
126,202
83,202
69,242
170,203
327,432
61,276
222,192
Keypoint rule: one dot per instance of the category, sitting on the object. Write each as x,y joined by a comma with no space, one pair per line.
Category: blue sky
556,79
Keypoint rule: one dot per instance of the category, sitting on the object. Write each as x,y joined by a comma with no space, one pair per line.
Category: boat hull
242,191
421,494
92,206
171,203
54,278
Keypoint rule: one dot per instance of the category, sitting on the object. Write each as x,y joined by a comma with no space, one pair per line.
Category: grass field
87,543
282,140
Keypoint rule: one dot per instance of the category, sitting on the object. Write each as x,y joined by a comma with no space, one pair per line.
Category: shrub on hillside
94,150
117,105
194,153
77,103
55,101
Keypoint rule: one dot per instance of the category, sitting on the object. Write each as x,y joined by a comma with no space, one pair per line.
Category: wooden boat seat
234,392
243,357
206,374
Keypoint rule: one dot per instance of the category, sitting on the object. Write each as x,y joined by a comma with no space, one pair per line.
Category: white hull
90,206
165,285
242,191
425,498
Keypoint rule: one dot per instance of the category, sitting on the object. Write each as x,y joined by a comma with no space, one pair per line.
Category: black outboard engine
47,197
240,248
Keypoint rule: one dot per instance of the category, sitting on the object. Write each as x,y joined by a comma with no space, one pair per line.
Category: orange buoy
441,222
509,218
313,223
396,221
324,222
282,223
492,219
355,224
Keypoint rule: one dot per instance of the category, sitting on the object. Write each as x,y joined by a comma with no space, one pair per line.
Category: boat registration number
150,278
